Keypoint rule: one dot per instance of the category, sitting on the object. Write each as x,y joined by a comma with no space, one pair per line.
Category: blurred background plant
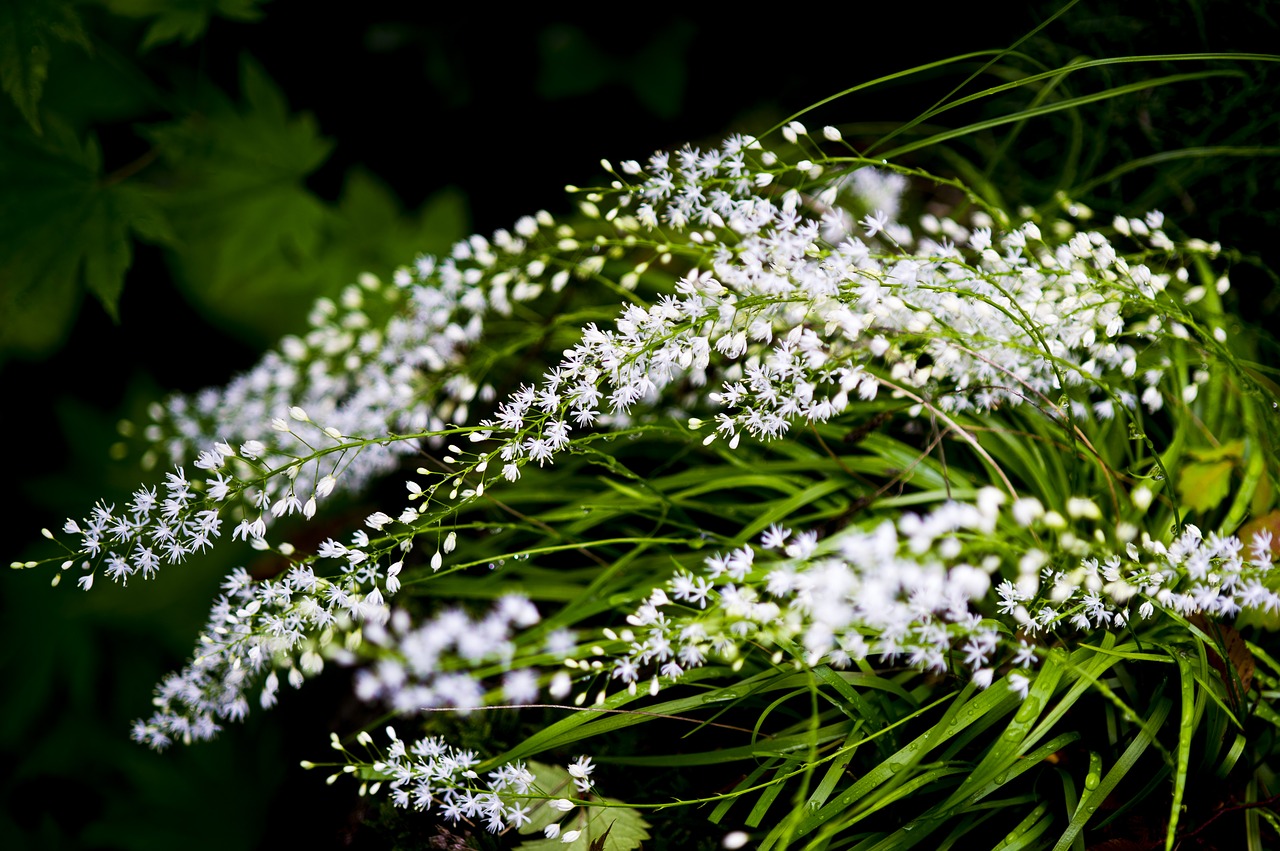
180,179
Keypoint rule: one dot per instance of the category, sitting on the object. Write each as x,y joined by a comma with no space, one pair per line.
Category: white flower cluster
909,591
381,360
432,775
257,631
433,664
1192,575
917,591
787,294
151,531
794,319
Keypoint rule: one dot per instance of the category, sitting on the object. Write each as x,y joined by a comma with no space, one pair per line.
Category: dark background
481,118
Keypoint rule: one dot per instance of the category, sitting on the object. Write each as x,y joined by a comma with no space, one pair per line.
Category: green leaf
611,827
572,64
657,72
1203,486
373,233
255,246
247,227
183,20
1232,450
62,224
26,29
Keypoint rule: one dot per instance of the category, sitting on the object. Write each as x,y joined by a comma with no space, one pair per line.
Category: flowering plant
898,522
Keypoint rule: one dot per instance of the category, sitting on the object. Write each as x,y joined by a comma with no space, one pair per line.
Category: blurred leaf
1203,486
26,29
59,216
573,65
255,247
1231,450
657,73
184,20
377,235
245,222
1263,498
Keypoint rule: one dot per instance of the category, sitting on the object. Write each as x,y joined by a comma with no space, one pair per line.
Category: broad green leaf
62,225
571,63
1203,486
256,246
246,223
657,72
1231,450
574,65
613,827
372,233
27,27
184,20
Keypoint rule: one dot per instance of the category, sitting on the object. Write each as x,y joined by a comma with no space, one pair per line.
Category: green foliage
1121,740
27,29
66,225
1205,482
238,203
573,64
222,187
183,20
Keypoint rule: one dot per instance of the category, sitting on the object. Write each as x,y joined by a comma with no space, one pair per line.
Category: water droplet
720,696
1002,778
1029,709
1092,781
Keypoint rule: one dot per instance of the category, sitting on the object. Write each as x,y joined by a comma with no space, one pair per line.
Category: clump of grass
900,520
